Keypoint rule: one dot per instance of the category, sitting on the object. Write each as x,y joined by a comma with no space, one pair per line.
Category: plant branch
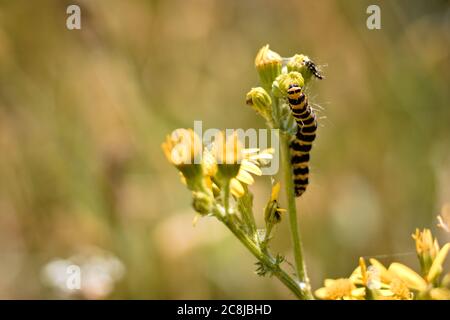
264,258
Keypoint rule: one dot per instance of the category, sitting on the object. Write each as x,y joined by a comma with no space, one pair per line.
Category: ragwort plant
219,175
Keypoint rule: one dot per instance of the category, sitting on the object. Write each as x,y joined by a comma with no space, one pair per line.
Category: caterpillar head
294,91
283,82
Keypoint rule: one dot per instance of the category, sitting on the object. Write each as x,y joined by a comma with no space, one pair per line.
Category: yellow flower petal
236,188
337,289
356,277
409,276
322,293
275,192
436,267
359,292
245,177
385,276
209,163
227,149
426,246
385,293
247,151
266,154
329,282
250,167
363,268
440,294
377,264
260,156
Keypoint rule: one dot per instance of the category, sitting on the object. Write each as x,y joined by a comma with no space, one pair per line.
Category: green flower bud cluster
276,74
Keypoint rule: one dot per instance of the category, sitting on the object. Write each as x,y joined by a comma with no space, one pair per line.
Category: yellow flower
227,150
252,160
398,282
400,290
183,149
411,279
340,289
382,284
397,290
375,279
376,282
227,160
239,173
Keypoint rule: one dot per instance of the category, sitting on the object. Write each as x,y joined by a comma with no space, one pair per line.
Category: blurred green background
83,114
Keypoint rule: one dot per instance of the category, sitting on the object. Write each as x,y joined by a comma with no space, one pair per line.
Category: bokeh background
83,114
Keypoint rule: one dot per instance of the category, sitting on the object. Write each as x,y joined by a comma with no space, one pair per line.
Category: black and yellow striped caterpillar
306,133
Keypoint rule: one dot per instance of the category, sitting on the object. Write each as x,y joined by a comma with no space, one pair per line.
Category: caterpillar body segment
306,134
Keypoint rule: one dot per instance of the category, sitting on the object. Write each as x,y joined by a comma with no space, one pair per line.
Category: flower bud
283,81
437,267
426,247
201,202
268,64
272,215
260,101
272,211
304,65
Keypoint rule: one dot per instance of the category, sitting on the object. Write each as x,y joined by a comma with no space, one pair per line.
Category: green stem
262,257
226,196
292,210
245,205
